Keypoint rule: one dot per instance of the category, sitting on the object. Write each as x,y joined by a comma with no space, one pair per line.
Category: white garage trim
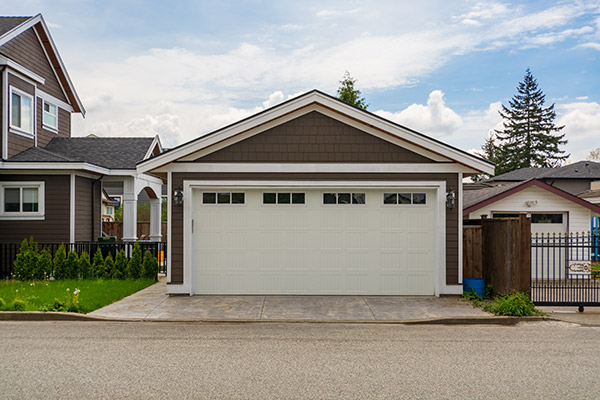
440,219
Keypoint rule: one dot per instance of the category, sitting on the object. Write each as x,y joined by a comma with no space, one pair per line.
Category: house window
404,198
21,200
21,112
283,198
546,218
223,198
344,198
50,116
109,210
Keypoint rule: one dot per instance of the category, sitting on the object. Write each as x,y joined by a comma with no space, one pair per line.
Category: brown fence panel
472,253
143,230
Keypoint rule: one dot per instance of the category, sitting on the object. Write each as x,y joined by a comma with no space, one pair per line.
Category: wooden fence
472,254
143,230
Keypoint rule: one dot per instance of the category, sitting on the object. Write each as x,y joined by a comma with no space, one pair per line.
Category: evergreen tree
134,266
530,138
97,265
109,267
120,265
348,94
84,265
60,258
489,151
72,265
150,266
44,265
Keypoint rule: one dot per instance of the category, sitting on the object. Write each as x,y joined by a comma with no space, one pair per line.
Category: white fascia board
155,142
17,30
53,166
315,168
315,184
51,99
303,101
18,69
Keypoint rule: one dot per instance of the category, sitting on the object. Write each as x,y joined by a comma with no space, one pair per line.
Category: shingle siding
314,137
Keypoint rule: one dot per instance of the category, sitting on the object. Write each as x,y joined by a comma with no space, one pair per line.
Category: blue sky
443,68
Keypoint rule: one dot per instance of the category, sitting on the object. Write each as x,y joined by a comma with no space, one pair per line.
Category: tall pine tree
530,138
348,94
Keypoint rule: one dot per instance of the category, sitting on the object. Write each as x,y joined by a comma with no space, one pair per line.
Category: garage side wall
451,214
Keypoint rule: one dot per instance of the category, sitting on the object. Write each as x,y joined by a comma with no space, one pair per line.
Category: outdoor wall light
450,198
178,197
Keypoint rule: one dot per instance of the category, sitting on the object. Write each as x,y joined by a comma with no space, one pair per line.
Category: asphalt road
298,361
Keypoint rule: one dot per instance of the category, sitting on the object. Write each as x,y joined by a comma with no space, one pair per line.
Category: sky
181,69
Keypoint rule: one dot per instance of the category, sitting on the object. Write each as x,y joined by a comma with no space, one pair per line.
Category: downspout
93,208
5,121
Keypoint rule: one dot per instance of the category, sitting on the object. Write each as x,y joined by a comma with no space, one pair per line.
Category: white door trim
440,219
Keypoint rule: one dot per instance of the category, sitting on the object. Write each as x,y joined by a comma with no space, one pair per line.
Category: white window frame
17,129
23,215
46,126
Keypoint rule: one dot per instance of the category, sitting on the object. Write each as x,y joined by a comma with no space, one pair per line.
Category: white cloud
337,13
435,118
274,99
590,45
582,127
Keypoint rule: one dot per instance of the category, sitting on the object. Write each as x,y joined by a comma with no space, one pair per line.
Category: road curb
65,316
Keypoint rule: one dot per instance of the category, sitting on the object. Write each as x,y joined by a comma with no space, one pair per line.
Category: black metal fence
565,269
9,251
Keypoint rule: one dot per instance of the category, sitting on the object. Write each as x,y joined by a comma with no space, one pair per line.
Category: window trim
337,198
216,193
17,129
412,199
23,215
277,203
46,126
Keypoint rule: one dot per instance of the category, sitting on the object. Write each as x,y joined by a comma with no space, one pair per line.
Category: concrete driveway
154,304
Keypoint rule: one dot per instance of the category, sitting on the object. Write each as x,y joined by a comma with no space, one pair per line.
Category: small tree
21,262
348,94
72,265
84,265
44,265
60,258
529,138
134,266
120,265
97,265
150,266
594,155
109,267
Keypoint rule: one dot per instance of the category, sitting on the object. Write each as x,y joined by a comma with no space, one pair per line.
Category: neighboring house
574,178
108,207
552,210
51,183
592,195
314,196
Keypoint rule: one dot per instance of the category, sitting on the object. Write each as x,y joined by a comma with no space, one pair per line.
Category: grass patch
49,296
515,304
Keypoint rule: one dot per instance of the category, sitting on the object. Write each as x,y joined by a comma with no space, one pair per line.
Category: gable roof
111,153
473,200
578,170
319,101
518,175
14,26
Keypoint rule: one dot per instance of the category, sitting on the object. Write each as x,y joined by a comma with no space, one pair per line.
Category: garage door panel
313,248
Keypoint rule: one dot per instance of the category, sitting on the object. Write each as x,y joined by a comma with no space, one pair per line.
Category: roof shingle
9,23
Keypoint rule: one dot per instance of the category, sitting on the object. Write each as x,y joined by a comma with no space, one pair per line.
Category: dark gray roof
8,23
578,170
519,175
472,197
113,153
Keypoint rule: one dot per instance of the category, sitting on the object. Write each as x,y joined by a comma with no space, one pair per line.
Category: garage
314,197
361,241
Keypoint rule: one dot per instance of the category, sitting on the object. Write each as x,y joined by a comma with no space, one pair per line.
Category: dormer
38,96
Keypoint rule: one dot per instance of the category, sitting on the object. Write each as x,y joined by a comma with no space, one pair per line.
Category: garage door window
283,198
223,198
344,198
546,218
404,198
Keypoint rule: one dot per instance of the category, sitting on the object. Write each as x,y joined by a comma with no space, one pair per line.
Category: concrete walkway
154,304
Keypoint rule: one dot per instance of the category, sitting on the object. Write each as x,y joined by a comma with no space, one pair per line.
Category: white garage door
313,241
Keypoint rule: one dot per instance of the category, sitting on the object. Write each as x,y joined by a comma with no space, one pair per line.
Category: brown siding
87,228
451,215
1,122
44,136
314,137
18,143
27,51
55,227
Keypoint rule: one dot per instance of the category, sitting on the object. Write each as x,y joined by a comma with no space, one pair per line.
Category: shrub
134,266
72,265
44,265
2,303
109,267
97,265
515,304
60,258
120,265
18,305
26,261
84,265
150,266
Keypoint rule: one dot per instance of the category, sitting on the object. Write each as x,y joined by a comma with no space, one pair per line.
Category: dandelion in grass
76,292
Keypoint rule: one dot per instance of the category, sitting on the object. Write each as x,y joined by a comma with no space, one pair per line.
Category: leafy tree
134,266
109,267
529,138
150,266
97,264
84,265
44,265
72,265
120,265
60,258
349,94
594,155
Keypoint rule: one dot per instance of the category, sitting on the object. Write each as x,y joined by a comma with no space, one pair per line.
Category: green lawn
94,293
